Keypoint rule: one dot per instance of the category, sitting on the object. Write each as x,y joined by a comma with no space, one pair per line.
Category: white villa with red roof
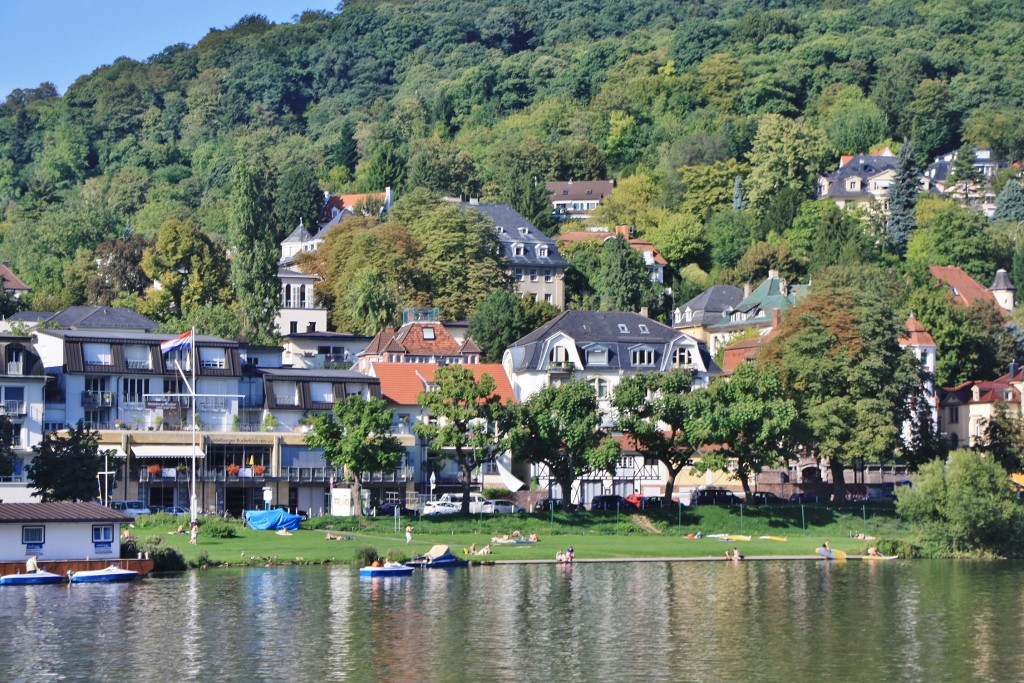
422,338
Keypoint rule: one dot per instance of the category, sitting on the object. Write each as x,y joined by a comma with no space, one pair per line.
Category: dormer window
590,192
643,329
518,249
542,250
558,356
643,357
682,357
501,230
428,333
96,354
565,191
623,329
524,231
597,356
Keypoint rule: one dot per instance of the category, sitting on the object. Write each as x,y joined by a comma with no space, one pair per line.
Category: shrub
216,527
165,559
497,493
366,556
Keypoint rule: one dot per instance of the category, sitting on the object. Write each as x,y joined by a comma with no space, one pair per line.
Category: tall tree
254,254
1002,437
847,327
657,411
964,174
1010,202
65,467
463,407
785,153
623,283
6,447
297,199
559,427
750,416
190,269
499,320
902,197
356,435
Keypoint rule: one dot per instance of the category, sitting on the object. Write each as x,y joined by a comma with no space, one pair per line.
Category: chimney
645,312
773,273
1013,370
776,318
622,231
746,289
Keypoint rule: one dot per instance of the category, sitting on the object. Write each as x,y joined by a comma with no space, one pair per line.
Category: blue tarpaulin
272,519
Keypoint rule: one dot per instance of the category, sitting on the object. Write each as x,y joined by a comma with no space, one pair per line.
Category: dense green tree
499,320
254,256
902,197
372,301
65,468
559,428
847,326
1010,203
963,174
1002,437
730,234
118,270
964,506
623,283
7,455
853,123
658,413
932,119
464,408
749,415
297,199
785,153
190,268
356,435
949,234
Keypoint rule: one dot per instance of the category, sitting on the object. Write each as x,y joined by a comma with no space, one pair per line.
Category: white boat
31,578
111,574
388,569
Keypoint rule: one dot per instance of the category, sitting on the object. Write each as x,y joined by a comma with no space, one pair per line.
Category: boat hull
31,579
403,570
108,575
444,562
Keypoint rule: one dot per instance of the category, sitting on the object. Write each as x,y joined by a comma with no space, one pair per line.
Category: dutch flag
183,342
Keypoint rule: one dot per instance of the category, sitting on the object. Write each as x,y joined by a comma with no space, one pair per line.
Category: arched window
601,388
287,296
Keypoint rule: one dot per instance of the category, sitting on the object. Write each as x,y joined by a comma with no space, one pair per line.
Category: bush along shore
669,533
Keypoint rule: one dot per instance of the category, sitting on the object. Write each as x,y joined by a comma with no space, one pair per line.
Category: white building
59,531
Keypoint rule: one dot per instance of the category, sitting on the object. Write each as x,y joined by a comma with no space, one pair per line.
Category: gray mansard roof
709,306
513,229
618,332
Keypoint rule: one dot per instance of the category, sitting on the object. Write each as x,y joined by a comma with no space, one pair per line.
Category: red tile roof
350,201
593,236
11,281
410,340
916,334
964,289
401,383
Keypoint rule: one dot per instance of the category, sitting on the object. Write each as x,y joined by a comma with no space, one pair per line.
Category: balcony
561,366
14,407
15,368
286,401
97,399
139,365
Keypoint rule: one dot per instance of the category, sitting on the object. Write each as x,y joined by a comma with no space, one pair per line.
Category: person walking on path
408,534
193,533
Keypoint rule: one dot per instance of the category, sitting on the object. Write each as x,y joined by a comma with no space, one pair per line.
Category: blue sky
60,40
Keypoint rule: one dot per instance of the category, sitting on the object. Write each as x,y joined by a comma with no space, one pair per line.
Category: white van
133,508
476,501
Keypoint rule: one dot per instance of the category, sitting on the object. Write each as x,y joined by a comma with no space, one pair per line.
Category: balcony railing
14,407
15,368
139,365
286,401
97,399
560,365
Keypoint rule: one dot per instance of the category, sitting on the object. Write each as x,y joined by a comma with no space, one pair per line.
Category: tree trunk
357,494
838,479
466,473
671,480
741,472
566,485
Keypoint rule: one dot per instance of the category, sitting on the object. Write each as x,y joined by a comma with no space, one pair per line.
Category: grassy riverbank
592,535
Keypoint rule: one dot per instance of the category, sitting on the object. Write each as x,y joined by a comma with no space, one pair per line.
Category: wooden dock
707,558
142,566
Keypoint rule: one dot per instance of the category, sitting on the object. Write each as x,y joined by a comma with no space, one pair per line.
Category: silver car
501,506
440,507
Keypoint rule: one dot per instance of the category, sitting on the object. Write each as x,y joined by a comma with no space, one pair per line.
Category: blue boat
31,578
392,569
438,557
111,574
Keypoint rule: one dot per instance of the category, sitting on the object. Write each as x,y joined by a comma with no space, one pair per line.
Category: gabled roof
16,513
712,303
11,282
916,334
299,234
513,229
401,383
602,326
579,190
773,293
99,318
412,339
964,289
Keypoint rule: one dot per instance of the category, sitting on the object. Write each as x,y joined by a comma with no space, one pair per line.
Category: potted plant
154,470
259,470
233,469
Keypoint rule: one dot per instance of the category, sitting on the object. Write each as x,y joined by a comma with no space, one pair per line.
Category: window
103,533
96,354
597,357
519,273
558,356
682,357
428,333
321,392
518,249
293,327
601,388
542,250
13,400
548,277
533,274
33,534
642,357
623,329
548,298
954,414
137,357
643,329
211,357
524,231
135,389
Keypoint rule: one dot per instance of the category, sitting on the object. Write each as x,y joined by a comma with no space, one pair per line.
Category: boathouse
60,531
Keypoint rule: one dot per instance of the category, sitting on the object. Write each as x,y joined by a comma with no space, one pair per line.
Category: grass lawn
592,535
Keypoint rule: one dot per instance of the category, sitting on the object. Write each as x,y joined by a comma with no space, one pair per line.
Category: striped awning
175,451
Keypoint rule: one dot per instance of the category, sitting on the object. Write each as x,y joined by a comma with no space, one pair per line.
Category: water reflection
696,621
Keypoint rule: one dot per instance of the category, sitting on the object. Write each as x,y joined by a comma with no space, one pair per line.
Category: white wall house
59,531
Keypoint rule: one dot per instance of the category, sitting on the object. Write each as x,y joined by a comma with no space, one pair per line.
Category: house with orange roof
401,384
12,283
965,290
653,259
422,338
964,410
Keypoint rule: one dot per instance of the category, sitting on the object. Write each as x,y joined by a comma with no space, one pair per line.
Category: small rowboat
111,574
387,570
31,578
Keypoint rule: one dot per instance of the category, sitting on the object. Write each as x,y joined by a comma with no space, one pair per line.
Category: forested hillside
149,170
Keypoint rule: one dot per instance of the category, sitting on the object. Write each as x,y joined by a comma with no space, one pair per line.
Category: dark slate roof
514,229
709,305
106,336
1002,282
100,317
861,166
30,316
590,329
316,375
19,513
299,234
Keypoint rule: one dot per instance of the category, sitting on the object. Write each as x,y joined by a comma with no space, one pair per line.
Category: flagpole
195,497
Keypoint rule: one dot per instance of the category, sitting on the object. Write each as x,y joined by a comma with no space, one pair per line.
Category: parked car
388,510
764,498
654,502
805,497
501,506
441,507
176,511
610,503
714,497
132,508
548,504
476,501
